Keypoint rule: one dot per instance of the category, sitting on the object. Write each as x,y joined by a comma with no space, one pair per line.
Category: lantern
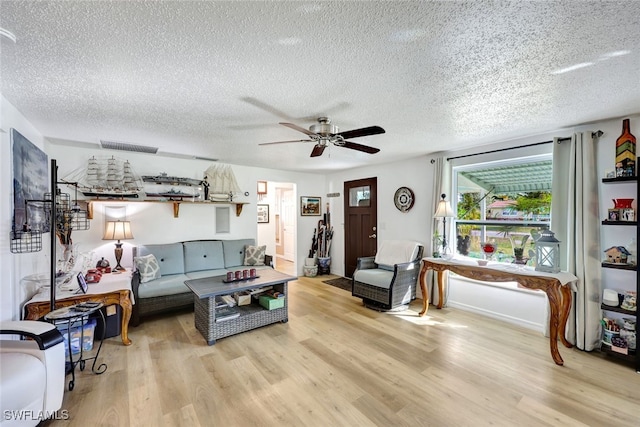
547,252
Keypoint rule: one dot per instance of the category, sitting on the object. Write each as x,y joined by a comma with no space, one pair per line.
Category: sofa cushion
254,255
375,277
393,252
206,273
23,378
148,267
170,257
166,285
234,251
203,255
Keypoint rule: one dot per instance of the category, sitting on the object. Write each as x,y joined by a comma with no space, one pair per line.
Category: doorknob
373,236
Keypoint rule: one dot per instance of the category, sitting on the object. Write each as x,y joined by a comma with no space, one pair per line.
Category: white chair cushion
393,252
23,379
375,277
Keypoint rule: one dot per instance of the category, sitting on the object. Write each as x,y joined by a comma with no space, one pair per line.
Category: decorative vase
323,265
622,203
632,248
626,152
67,260
463,244
310,270
488,249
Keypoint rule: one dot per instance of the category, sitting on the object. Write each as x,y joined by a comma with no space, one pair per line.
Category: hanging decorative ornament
404,199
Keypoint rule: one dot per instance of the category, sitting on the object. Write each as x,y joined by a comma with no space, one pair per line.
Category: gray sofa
184,261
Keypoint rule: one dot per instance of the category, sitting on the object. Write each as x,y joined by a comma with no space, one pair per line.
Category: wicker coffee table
251,316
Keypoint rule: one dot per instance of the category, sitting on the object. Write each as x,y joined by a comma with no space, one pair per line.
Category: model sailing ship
220,184
109,178
163,178
175,193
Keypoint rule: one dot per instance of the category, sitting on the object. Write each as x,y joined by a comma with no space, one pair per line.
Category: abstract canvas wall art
30,182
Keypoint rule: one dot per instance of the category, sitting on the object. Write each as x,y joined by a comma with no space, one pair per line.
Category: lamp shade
118,230
444,209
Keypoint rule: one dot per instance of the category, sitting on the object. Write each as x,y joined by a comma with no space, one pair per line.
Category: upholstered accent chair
388,280
32,374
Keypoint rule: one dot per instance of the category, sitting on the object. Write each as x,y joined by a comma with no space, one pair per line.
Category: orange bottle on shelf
626,152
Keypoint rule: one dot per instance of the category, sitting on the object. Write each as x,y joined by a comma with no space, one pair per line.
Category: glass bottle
632,248
626,151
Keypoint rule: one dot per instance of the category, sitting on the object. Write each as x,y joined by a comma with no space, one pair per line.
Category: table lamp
118,230
444,211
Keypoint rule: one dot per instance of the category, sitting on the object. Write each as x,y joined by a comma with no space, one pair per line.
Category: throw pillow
148,267
254,255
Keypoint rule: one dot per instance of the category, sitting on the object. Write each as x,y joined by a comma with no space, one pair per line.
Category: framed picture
30,182
263,214
310,206
627,214
614,215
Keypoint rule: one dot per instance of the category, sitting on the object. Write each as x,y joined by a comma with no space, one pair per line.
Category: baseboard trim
500,316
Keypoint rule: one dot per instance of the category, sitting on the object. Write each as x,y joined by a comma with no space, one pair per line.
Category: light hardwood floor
337,363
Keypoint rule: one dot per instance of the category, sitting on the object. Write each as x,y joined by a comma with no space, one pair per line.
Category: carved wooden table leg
554,296
423,287
440,289
125,303
567,296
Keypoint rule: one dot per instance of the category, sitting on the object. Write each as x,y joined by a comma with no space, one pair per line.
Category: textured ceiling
213,79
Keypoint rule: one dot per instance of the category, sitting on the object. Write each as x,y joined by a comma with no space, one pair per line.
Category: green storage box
271,303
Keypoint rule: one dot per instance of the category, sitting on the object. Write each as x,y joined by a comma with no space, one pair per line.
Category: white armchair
388,280
32,373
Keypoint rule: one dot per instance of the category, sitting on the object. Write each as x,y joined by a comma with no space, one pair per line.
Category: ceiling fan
323,133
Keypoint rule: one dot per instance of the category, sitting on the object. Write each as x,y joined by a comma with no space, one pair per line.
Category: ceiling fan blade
284,142
318,150
298,128
360,147
371,130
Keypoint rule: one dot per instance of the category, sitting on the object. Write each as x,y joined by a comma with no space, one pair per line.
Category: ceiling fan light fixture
323,134
324,127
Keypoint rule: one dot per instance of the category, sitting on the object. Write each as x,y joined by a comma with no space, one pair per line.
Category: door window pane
360,196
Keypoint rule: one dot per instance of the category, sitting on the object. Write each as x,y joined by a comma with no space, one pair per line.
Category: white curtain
576,223
441,180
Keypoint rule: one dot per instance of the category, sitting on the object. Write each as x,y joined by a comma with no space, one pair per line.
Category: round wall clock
404,199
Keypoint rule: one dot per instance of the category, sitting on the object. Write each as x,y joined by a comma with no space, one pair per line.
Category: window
360,196
505,202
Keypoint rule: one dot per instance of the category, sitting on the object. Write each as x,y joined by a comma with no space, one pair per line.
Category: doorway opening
279,233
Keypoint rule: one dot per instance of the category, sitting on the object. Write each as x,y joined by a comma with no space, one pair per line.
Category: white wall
392,224
154,222
13,267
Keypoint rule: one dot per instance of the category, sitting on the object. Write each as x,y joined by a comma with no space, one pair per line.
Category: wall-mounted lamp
118,230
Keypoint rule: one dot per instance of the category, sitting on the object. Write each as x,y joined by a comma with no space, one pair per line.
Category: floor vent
122,146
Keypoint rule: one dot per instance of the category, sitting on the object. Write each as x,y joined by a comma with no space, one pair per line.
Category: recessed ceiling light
7,34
